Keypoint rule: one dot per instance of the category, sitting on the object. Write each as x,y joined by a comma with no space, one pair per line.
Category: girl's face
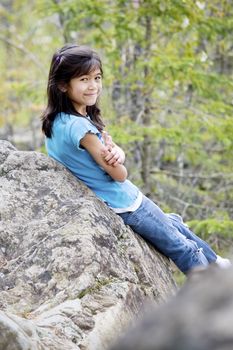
83,91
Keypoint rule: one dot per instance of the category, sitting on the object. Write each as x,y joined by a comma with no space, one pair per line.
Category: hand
112,157
112,154
107,140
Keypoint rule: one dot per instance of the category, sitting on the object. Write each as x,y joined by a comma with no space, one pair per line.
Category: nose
92,84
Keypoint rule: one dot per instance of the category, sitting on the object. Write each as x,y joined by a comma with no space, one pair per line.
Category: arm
99,151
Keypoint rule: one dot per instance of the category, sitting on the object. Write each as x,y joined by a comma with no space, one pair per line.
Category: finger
104,134
113,159
109,159
117,162
105,152
111,154
107,138
117,158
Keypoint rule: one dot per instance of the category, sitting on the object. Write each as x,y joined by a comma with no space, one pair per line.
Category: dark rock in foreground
200,317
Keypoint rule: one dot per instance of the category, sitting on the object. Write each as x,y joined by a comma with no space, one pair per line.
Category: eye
84,79
99,77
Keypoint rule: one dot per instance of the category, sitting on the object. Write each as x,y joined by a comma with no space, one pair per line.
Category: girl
75,137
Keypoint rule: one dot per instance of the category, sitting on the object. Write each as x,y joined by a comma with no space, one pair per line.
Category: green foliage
168,88
221,227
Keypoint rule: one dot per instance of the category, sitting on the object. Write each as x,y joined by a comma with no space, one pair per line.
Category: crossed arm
108,155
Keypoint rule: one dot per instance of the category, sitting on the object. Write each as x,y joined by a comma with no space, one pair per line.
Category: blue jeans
169,235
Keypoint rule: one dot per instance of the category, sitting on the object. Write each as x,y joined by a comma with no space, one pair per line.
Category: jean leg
177,222
150,222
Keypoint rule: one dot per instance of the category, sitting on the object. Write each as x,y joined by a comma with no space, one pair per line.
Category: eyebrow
90,73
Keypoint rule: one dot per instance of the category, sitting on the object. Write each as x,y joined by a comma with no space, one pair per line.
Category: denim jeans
168,234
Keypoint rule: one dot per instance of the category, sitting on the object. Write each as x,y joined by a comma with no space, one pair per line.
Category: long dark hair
69,62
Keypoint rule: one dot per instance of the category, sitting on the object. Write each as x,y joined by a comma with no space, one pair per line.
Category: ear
62,87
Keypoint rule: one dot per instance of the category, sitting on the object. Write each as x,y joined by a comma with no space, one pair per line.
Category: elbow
122,177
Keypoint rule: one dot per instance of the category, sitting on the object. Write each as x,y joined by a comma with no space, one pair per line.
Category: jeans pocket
133,219
130,218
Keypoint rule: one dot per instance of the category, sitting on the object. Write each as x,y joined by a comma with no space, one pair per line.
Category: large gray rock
72,275
200,317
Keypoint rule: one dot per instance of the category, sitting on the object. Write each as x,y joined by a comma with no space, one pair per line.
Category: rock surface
200,317
72,275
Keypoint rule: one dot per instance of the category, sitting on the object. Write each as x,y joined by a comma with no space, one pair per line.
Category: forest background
167,92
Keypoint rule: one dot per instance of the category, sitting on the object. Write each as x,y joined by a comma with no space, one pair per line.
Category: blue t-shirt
64,146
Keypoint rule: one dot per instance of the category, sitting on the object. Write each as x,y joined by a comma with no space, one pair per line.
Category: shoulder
77,127
71,121
82,125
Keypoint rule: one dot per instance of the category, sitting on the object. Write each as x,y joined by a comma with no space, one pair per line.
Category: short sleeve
78,128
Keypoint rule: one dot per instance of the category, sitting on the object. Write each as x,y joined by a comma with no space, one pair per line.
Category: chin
91,103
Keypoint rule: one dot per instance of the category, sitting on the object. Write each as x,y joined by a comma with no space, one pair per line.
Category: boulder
199,317
72,275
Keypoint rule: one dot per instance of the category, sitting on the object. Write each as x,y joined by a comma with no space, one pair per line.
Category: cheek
100,89
77,91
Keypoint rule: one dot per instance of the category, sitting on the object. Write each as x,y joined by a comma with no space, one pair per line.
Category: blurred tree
168,87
